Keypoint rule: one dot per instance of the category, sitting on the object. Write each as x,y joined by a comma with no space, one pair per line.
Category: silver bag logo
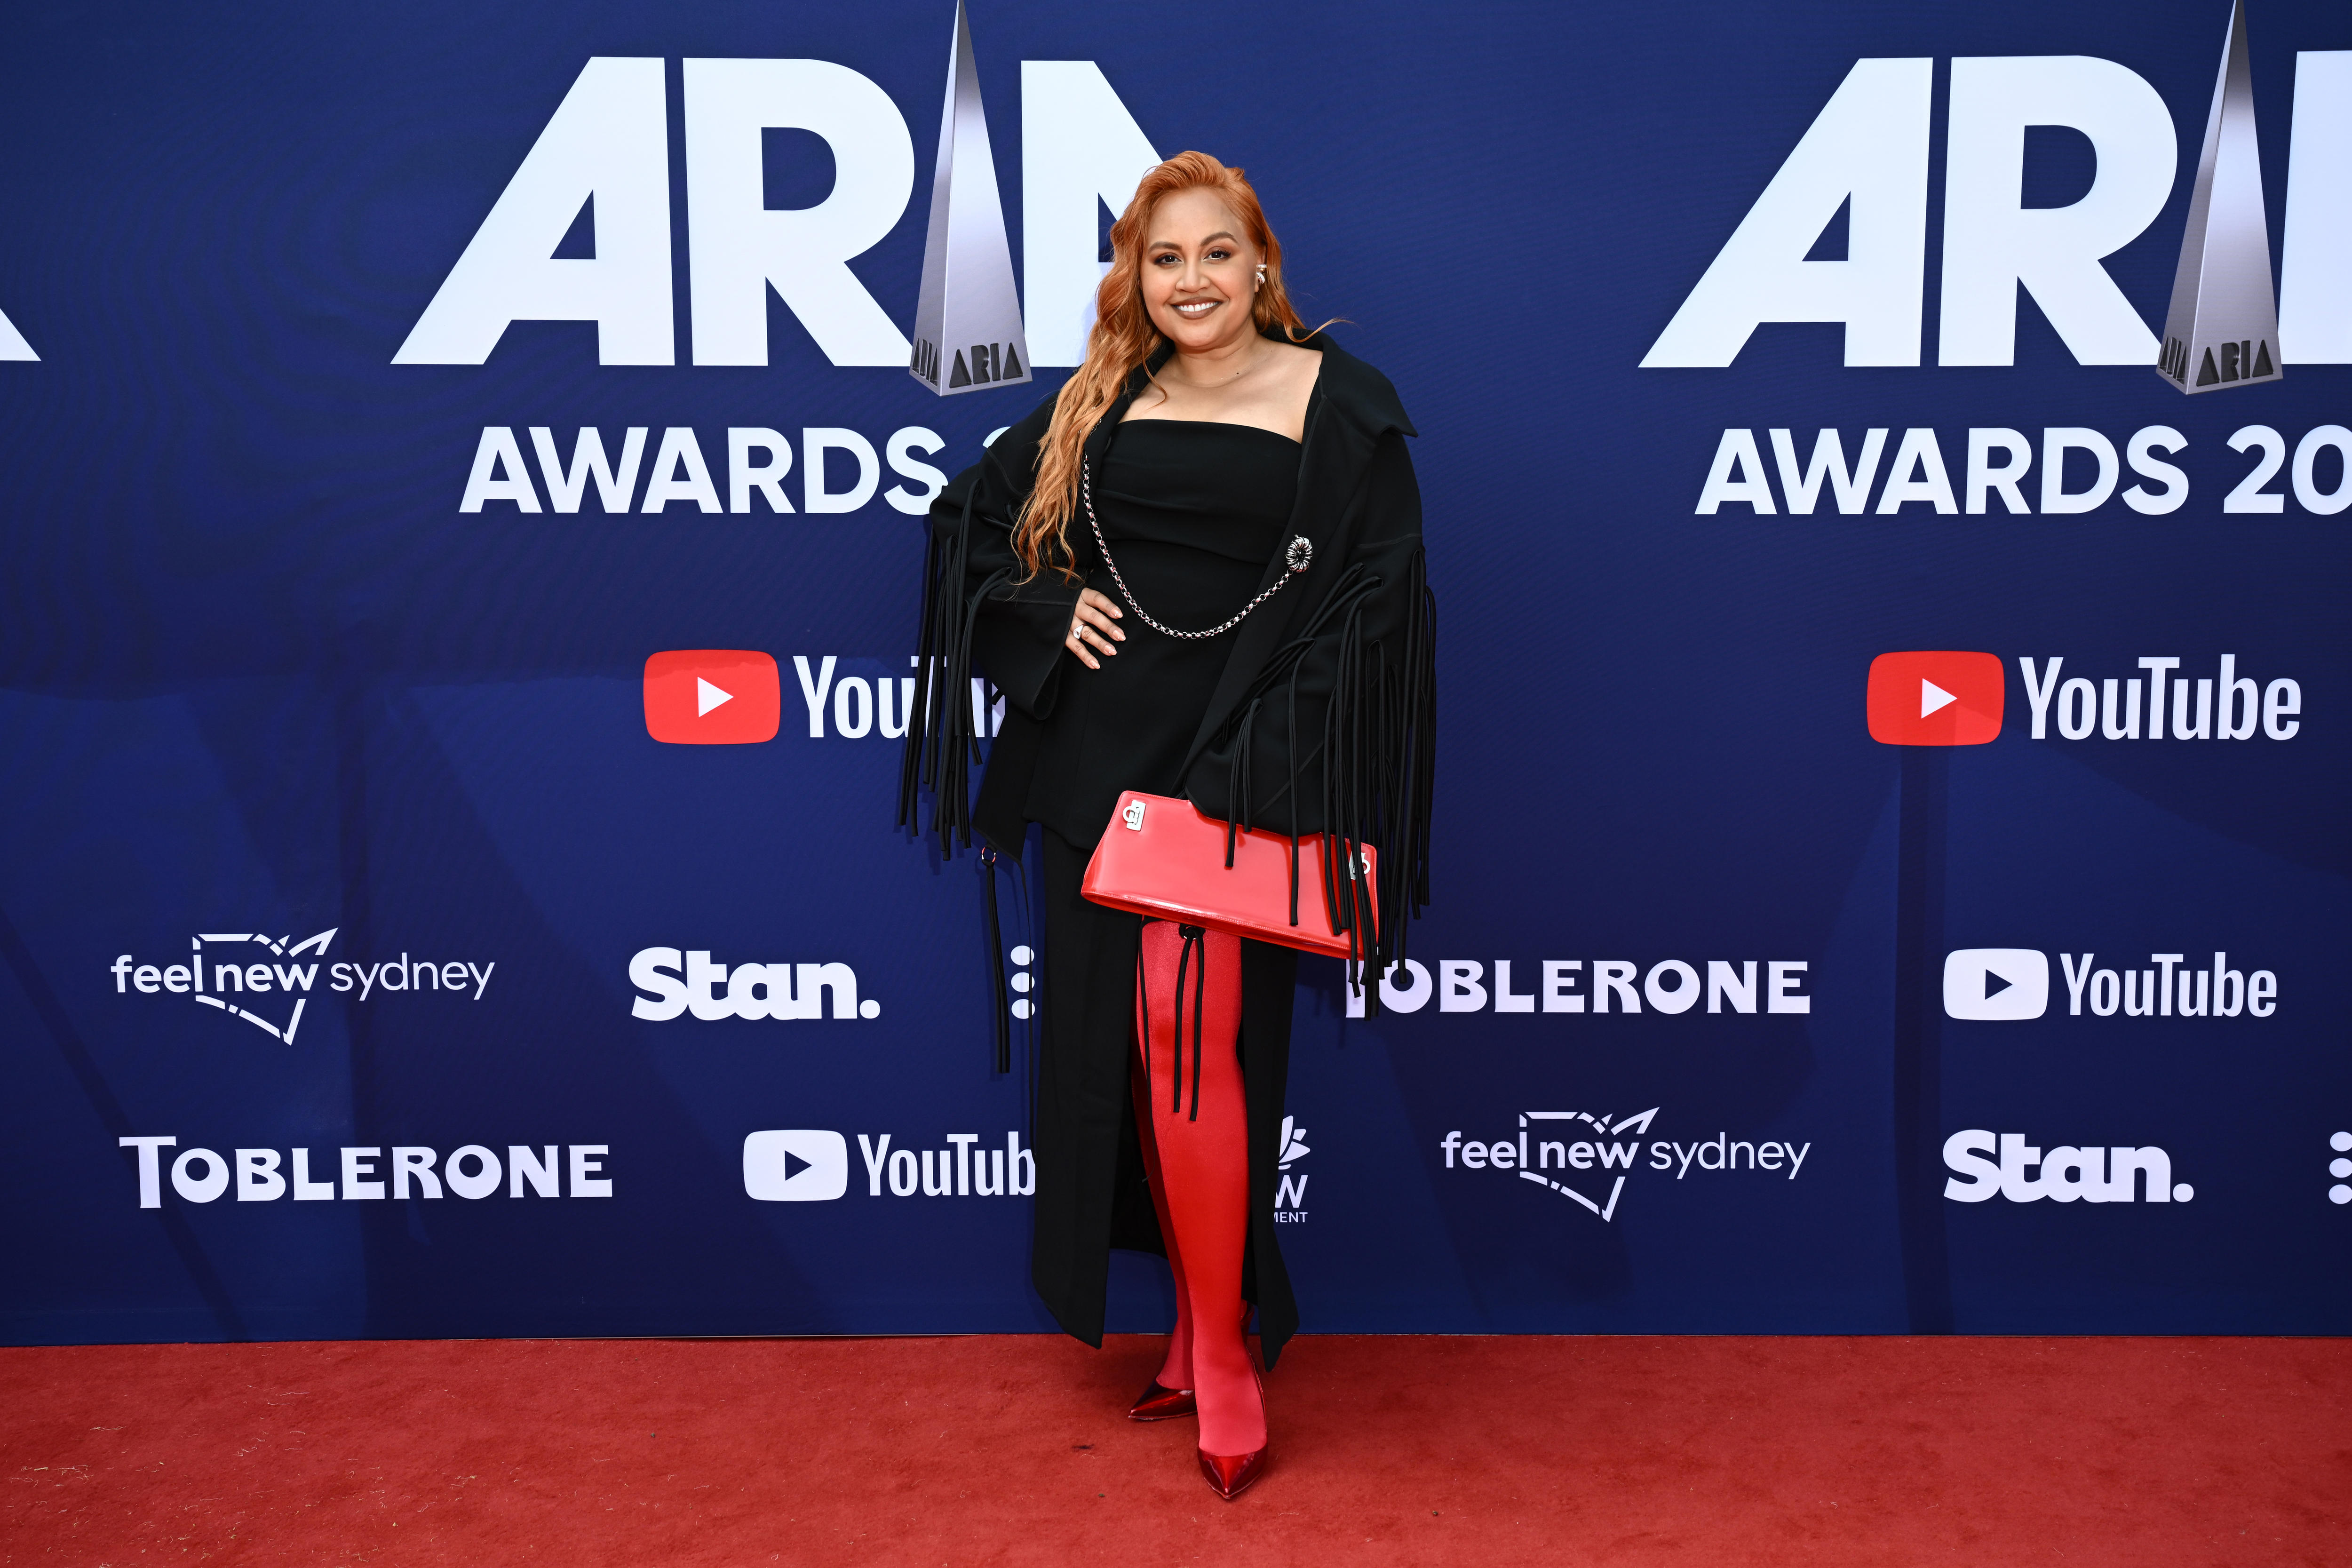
1598,1152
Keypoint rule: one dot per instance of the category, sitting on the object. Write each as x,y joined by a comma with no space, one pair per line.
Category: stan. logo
2007,1166
687,982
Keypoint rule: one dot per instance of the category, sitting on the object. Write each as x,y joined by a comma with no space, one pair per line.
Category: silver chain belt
1297,557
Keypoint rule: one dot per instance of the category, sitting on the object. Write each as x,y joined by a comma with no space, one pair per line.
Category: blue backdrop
263,677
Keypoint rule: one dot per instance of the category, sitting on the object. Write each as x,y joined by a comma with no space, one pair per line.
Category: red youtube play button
712,697
1935,699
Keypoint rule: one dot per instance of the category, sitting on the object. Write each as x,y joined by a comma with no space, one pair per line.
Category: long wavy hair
1124,339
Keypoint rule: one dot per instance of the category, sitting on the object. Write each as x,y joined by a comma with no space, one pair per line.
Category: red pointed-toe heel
1157,1401
1230,1475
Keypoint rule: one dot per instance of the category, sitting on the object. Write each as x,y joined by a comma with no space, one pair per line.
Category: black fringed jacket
1324,721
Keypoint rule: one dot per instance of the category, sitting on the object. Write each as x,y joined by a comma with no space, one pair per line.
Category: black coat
1322,722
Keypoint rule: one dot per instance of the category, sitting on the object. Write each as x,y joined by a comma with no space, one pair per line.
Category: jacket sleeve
1017,629
980,619
1337,737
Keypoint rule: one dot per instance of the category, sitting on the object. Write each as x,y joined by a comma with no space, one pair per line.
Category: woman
1196,571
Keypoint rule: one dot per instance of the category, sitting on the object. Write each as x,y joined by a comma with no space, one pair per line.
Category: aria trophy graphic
967,330
2222,329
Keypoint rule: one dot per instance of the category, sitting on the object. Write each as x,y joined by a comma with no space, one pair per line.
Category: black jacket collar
1358,391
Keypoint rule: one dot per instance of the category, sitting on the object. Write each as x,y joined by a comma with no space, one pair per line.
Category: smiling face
1200,272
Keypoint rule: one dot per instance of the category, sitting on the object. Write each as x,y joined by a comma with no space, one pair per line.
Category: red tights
1190,1111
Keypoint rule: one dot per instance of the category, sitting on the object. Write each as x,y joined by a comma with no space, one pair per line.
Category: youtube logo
1935,699
712,697
795,1164
1999,984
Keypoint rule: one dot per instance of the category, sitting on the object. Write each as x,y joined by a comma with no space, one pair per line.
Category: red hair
1124,339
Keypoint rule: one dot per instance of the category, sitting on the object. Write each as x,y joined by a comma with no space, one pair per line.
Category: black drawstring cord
1191,958
1197,935
1238,784
942,554
1194,943
1184,961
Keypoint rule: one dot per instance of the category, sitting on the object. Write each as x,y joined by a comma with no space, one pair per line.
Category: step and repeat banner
1888,509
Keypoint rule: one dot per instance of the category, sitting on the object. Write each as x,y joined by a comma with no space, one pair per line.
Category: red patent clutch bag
1165,858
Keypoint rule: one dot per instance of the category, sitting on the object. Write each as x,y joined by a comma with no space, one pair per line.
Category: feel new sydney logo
269,980
1587,1158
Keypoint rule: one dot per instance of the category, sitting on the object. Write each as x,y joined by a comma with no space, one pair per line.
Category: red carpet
1724,1452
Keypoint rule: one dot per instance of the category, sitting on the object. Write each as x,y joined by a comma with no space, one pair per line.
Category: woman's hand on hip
1094,627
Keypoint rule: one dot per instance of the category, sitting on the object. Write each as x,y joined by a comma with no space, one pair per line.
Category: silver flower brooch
1300,554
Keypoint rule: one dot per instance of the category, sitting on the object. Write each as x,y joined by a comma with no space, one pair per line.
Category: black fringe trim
943,743
1378,756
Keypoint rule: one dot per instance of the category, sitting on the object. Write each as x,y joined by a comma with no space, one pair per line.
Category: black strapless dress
1192,511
